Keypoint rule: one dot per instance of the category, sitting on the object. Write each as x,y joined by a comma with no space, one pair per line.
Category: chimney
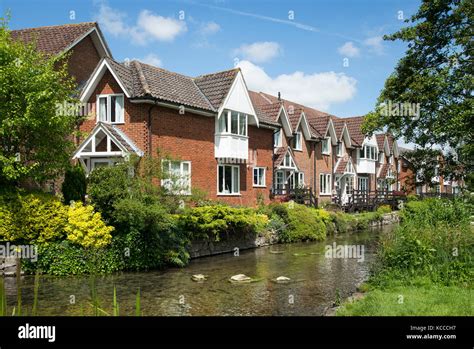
279,96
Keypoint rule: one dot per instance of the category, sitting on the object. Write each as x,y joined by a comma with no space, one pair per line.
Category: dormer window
110,108
297,141
277,138
339,149
233,122
326,149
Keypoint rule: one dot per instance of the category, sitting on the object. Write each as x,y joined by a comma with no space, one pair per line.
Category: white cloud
375,44
259,52
349,50
149,26
151,59
318,90
209,28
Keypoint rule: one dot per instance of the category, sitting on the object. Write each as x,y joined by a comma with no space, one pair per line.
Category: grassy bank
425,266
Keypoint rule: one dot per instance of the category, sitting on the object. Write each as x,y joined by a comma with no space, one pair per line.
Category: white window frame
279,184
277,138
108,97
232,193
301,179
181,163
298,141
362,179
291,163
339,149
325,183
227,114
262,184
327,141
93,161
367,150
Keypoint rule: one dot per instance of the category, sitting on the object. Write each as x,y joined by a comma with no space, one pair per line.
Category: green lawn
418,300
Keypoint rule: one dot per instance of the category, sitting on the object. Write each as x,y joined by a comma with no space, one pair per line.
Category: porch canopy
105,146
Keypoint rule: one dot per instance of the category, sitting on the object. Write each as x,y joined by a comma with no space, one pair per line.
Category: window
325,146
349,167
259,176
288,161
324,184
363,183
233,122
280,180
349,185
300,179
438,189
368,152
381,157
339,150
177,176
277,138
229,179
297,141
110,108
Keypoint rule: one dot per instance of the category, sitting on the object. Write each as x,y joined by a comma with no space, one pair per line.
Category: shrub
74,186
86,227
212,222
384,209
31,218
150,235
277,224
304,223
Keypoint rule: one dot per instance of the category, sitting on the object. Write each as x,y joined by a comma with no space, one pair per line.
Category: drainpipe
314,167
273,162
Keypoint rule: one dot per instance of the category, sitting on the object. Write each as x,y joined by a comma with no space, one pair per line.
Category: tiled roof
266,113
383,171
126,142
341,166
391,140
279,155
216,86
53,40
338,126
354,126
380,140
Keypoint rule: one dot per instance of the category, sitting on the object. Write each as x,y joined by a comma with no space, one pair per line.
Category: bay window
368,152
228,179
233,122
110,108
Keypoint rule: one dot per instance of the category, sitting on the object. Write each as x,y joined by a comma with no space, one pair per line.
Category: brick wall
83,60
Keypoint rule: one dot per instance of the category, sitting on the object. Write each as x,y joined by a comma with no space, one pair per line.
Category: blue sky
295,47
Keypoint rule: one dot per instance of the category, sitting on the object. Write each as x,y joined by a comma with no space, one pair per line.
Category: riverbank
425,266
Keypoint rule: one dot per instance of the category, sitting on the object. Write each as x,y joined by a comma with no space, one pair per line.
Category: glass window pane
119,109
113,109
234,119
235,179
223,122
103,109
221,179
243,124
227,179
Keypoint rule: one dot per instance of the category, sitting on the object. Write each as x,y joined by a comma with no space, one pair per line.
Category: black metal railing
303,196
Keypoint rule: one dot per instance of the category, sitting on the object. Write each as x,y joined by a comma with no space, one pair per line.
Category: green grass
418,300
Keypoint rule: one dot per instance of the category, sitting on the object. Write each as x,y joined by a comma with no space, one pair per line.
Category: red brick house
239,146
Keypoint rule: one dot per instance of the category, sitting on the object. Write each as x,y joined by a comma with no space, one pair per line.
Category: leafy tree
437,75
34,132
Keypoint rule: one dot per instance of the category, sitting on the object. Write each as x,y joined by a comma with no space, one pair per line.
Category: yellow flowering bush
86,227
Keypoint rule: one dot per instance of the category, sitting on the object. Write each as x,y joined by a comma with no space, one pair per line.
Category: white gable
238,99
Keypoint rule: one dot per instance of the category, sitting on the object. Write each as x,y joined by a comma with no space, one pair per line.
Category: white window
349,167
100,162
228,179
110,108
381,157
326,149
362,183
279,180
259,176
297,141
277,138
288,161
390,160
233,122
300,179
368,152
340,149
325,184
349,185
177,176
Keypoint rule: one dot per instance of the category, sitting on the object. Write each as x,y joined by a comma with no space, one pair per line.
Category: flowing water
316,283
